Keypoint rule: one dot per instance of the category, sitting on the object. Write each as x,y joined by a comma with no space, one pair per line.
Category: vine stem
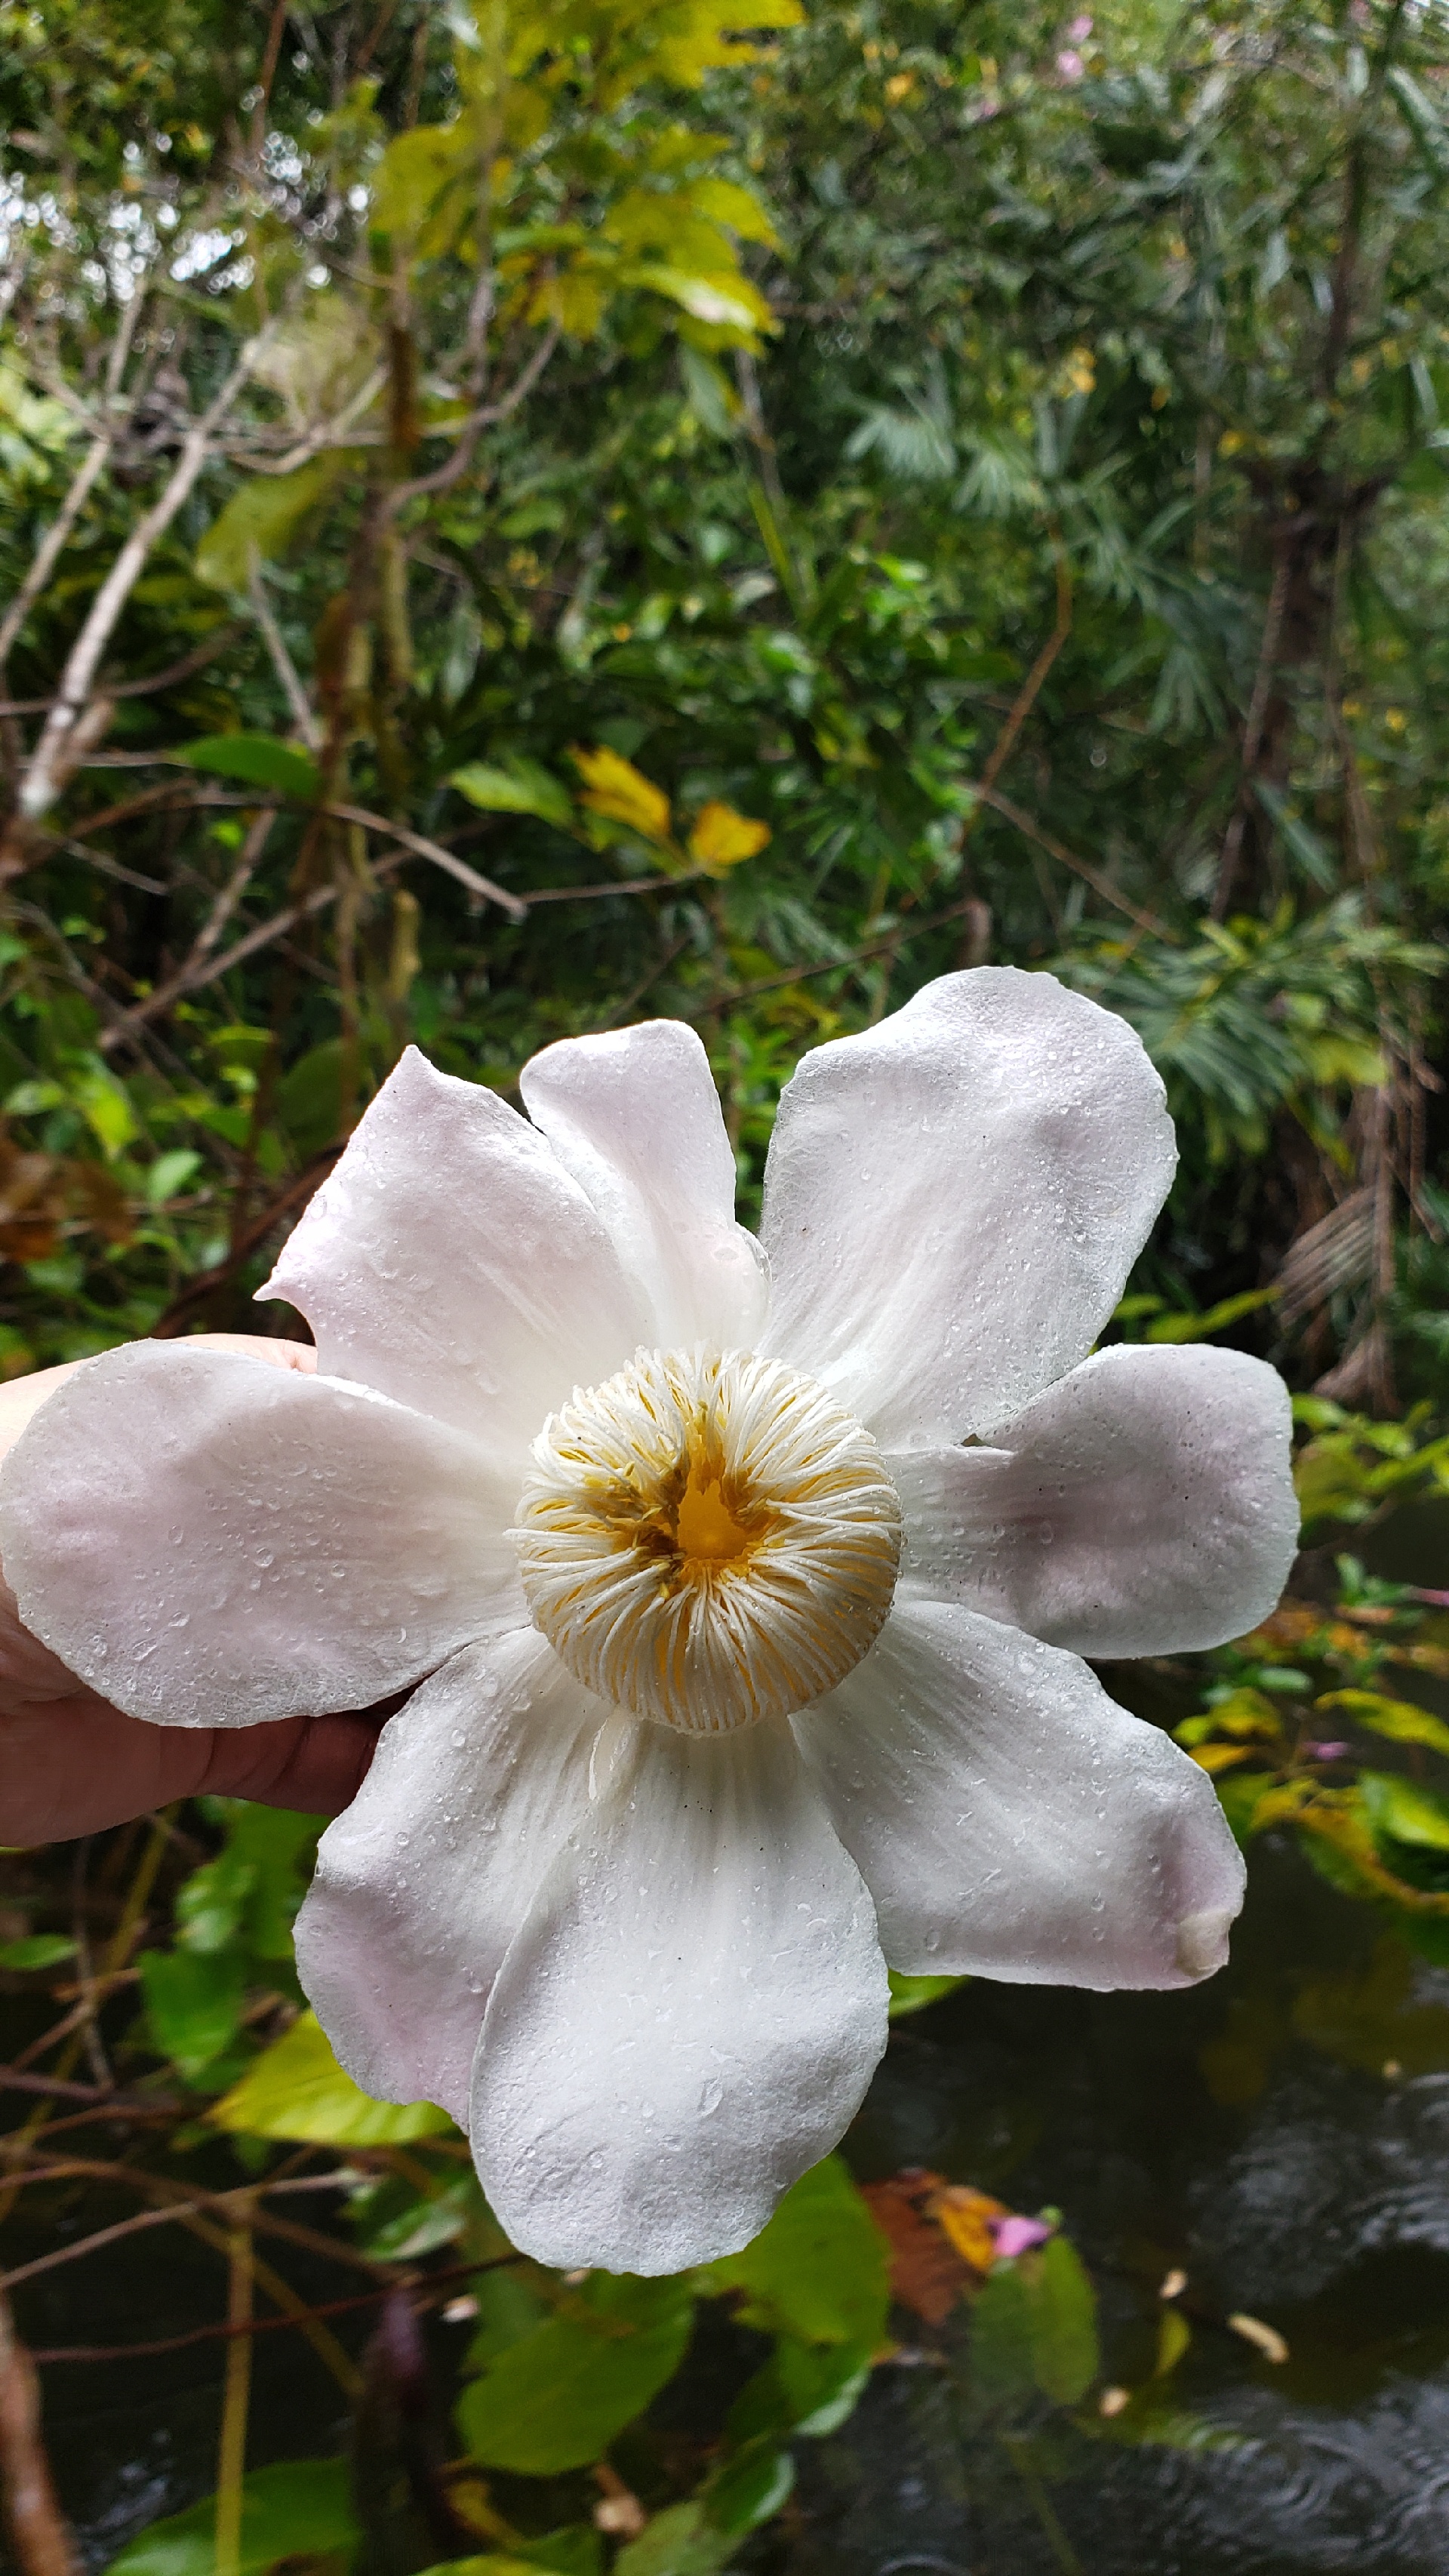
231,2456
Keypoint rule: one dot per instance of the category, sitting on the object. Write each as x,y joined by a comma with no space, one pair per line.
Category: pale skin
70,1764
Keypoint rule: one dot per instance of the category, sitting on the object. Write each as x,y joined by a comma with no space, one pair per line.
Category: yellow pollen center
704,1527
708,1539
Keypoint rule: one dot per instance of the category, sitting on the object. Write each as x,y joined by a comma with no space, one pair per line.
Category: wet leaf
818,2270
681,2541
803,2388
297,2090
296,2509
557,2399
750,2487
927,2275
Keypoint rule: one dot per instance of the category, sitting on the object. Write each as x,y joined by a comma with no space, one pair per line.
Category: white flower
732,1668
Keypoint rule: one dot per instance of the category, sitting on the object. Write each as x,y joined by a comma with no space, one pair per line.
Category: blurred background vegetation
527,514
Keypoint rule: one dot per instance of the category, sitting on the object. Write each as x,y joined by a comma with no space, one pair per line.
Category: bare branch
46,773
514,905
282,662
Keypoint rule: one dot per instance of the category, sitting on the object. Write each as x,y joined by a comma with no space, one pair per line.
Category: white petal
1143,1506
687,2020
210,1541
1009,1818
635,1117
452,1262
953,1201
424,1880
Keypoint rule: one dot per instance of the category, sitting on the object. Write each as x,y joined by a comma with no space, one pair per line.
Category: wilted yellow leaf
1218,1757
964,2217
615,788
721,838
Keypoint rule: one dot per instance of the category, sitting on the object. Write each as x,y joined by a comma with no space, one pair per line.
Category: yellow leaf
1219,1757
1267,2338
721,838
296,2089
964,2217
615,788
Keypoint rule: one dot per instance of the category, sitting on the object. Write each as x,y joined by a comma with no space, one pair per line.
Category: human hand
70,1764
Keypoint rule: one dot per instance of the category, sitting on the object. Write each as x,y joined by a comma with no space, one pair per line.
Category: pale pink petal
451,1262
423,1882
1009,1818
689,2016
953,1201
209,1541
1143,1506
635,1117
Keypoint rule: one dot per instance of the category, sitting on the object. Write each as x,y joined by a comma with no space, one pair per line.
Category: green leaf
912,1994
574,2551
35,1950
194,2005
266,517
1405,1813
297,2090
557,2399
169,1174
1312,852
297,2509
107,1111
681,2541
309,1099
523,787
257,760
803,2388
748,2489
1063,2320
1401,1720
1034,2328
1196,1328
819,2271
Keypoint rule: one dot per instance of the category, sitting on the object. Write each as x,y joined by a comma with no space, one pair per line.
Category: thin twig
430,2283
514,905
197,2205
231,2453
45,773
42,2541
303,716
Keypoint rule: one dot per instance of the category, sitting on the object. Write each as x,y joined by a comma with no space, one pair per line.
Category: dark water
1281,2135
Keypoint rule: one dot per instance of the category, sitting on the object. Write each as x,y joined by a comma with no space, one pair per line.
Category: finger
76,1766
315,1764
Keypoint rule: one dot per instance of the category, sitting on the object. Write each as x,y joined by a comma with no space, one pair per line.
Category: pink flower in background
1070,65
1017,2235
740,1589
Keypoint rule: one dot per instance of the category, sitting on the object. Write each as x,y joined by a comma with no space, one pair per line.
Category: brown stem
38,2529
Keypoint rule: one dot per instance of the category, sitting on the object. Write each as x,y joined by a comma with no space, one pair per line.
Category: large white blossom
741,1588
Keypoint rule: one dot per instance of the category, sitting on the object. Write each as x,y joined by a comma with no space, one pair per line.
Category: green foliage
1034,2330
296,2089
298,2509
558,2398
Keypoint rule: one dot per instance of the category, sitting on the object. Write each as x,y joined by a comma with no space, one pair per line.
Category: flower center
707,1539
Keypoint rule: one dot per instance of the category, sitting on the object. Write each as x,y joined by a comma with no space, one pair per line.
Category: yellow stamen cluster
707,1539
